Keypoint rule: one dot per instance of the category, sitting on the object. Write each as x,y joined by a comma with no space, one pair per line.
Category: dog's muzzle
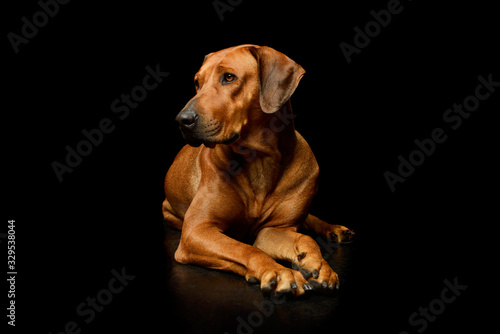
197,131
187,121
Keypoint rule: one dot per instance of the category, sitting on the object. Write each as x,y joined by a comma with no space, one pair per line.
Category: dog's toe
284,281
318,272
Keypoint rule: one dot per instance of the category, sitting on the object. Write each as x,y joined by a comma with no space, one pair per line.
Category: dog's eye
196,84
228,78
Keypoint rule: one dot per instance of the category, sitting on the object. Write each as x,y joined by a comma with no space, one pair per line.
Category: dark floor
224,302
362,119
380,289
382,285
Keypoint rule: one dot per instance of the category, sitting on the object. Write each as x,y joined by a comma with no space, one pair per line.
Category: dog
246,176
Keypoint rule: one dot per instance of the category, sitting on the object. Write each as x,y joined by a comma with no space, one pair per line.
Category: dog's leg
335,233
204,244
302,251
169,216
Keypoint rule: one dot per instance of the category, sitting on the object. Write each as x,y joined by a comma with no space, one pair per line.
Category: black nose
187,118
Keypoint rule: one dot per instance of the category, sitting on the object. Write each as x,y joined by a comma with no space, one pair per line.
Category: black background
358,118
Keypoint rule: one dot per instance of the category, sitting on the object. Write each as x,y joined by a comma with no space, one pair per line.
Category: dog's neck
264,151
271,135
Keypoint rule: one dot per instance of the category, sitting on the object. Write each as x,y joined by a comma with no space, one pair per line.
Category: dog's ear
278,77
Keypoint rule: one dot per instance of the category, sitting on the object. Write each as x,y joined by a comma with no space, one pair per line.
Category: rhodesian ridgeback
247,176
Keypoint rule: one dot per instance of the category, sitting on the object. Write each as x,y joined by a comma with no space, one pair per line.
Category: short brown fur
251,177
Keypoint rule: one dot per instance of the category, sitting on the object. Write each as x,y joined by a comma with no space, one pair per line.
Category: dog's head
236,86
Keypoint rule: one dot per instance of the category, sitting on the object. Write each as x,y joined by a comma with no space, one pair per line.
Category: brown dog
253,178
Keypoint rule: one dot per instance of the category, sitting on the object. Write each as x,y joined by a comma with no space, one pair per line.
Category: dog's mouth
195,141
234,137
211,144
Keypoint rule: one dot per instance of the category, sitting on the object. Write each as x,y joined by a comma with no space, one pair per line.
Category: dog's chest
264,192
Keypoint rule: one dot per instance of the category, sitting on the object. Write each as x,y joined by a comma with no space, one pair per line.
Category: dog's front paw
317,271
281,280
